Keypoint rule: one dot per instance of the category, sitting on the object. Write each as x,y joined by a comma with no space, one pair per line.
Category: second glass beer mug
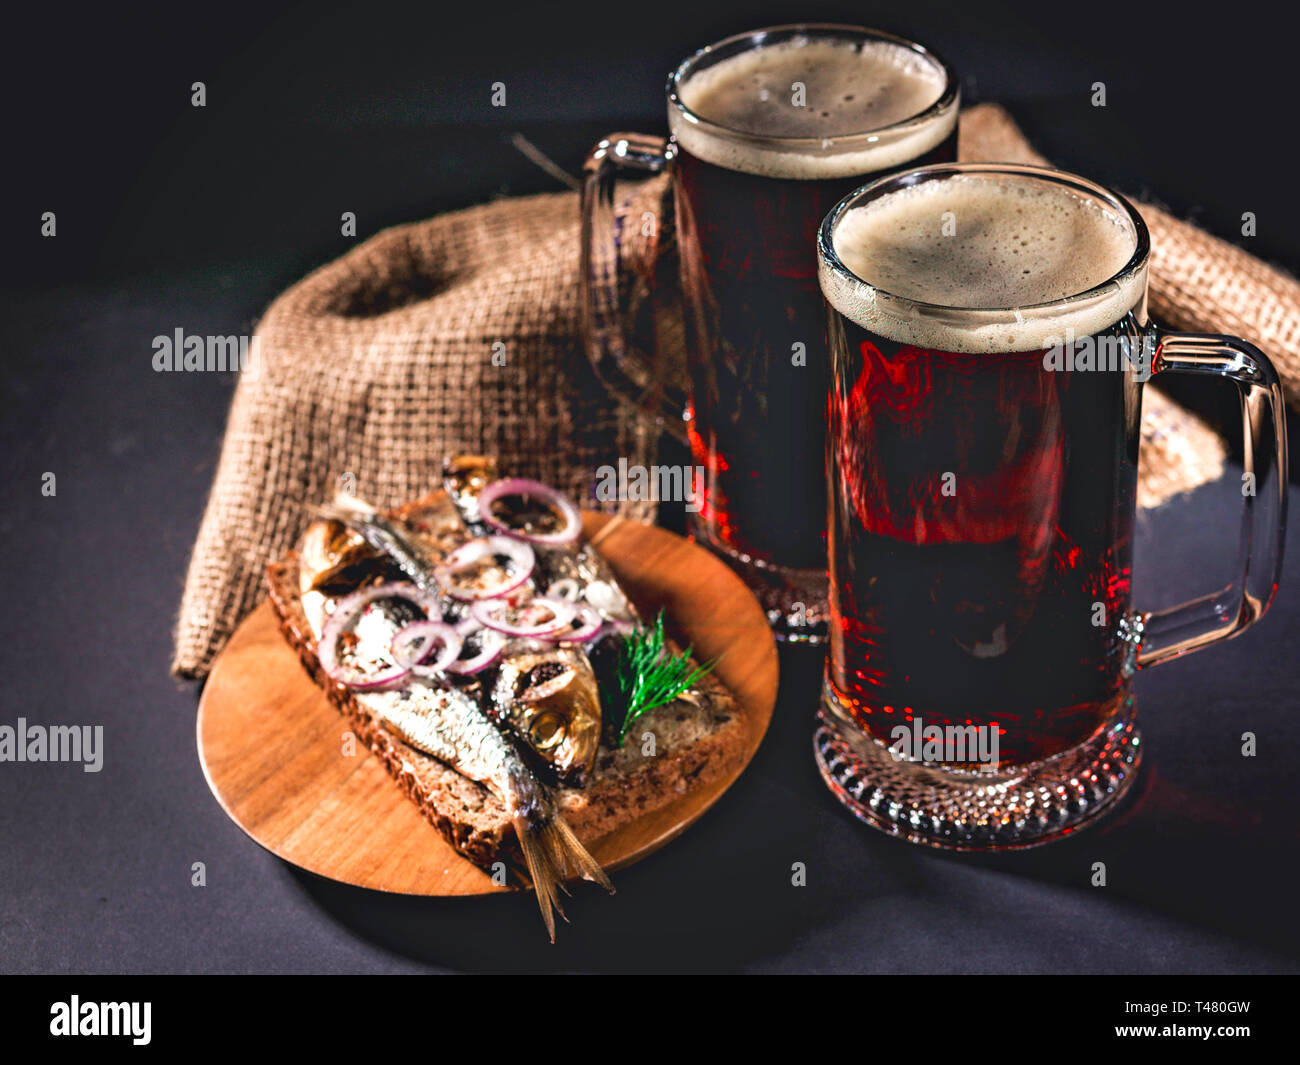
769,130
989,342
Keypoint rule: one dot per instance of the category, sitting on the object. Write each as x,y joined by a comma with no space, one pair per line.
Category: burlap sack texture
461,333
454,334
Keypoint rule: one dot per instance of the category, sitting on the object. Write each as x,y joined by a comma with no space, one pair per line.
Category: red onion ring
562,614
591,624
475,550
411,647
492,643
345,610
521,486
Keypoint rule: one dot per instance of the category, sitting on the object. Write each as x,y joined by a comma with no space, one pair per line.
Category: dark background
171,216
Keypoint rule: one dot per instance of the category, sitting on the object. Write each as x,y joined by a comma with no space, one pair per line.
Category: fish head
330,553
550,699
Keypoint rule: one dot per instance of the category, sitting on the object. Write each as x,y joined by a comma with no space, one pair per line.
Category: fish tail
541,872
551,852
570,855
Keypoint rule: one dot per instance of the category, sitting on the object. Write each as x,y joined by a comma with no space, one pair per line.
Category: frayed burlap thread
462,333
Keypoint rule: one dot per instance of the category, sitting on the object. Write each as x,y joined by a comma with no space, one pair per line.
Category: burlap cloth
461,333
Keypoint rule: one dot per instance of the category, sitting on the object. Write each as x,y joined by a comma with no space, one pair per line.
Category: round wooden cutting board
273,749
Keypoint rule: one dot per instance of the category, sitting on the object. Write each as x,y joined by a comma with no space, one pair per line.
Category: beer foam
995,243
851,87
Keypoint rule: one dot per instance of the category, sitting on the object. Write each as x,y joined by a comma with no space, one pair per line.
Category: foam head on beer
987,242
819,88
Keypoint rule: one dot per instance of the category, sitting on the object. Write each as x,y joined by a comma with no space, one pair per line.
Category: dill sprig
649,675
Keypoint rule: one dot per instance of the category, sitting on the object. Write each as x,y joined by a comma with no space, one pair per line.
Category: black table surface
172,216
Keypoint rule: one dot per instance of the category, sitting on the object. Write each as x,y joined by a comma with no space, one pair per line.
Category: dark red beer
758,408
771,130
989,340
982,489
1001,601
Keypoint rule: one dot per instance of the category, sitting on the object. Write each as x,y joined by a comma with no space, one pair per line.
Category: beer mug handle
1221,615
631,376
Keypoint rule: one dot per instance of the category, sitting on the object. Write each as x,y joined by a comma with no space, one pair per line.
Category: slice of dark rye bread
693,745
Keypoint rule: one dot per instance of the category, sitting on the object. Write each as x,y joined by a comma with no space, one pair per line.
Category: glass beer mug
989,341
769,130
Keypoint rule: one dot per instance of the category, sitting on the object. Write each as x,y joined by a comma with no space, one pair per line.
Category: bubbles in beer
851,89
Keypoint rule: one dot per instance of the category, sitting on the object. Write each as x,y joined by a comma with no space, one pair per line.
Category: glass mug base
1024,806
794,600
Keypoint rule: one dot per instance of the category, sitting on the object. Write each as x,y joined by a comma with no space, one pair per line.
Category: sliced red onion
348,608
521,486
489,612
412,646
565,588
586,624
491,644
478,549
